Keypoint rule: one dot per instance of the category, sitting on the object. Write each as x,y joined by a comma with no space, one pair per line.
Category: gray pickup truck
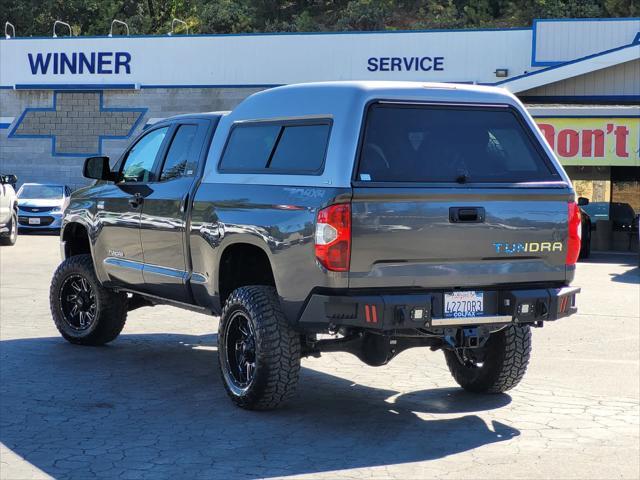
357,217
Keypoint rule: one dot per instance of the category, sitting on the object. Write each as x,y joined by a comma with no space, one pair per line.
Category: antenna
119,22
177,20
60,22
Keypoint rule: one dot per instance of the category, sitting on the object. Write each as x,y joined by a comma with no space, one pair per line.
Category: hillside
93,17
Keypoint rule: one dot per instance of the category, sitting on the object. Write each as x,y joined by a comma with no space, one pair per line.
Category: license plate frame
34,221
463,304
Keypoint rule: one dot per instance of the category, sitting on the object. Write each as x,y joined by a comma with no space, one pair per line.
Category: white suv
8,210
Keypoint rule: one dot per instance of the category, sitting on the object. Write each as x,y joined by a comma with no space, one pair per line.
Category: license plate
463,304
34,221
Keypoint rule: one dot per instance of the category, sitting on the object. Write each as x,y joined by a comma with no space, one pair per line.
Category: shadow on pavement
630,276
615,258
152,406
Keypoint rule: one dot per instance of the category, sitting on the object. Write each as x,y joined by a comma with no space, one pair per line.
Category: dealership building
66,98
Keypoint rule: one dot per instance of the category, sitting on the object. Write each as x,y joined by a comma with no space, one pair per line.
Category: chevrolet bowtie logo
77,123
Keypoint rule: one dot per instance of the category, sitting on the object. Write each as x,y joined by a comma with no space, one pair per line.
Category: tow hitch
474,337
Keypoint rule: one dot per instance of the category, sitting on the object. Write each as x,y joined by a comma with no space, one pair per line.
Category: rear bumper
417,310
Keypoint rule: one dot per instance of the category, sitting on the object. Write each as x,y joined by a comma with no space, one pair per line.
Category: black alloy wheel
78,302
84,311
258,350
240,351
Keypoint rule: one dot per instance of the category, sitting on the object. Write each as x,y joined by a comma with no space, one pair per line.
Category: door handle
466,214
136,200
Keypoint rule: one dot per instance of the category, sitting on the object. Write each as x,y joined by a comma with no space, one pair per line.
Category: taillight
333,237
575,234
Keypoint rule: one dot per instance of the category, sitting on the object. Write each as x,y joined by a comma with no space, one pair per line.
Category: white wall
468,56
621,79
564,40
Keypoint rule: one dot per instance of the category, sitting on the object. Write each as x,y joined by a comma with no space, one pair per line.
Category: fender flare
239,239
71,221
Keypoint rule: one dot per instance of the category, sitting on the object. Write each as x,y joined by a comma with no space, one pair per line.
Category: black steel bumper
417,310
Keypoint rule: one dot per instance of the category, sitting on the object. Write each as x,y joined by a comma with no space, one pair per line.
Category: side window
138,165
287,148
301,148
179,161
249,147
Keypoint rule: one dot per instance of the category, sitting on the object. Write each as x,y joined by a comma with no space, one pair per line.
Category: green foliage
93,17
225,16
439,14
365,15
530,9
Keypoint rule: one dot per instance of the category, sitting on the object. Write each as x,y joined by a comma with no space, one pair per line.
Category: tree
93,17
225,16
365,15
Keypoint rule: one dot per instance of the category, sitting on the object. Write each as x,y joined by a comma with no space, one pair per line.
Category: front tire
258,350
85,313
11,236
505,358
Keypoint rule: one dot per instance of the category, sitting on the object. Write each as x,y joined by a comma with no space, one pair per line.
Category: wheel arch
75,240
241,263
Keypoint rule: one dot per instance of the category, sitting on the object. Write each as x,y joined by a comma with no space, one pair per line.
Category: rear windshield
414,143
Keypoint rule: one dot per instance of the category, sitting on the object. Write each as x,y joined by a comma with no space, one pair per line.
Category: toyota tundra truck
359,217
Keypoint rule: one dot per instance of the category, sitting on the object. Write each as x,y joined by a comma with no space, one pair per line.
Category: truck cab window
180,161
138,166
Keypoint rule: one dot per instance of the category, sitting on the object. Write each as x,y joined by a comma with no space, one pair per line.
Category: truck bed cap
335,97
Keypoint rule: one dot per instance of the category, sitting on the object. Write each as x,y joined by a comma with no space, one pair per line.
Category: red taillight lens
575,234
333,237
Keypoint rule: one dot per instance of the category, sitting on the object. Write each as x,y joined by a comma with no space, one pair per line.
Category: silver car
40,207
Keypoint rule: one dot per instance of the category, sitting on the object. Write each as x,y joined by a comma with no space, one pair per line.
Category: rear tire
85,313
259,352
506,357
11,236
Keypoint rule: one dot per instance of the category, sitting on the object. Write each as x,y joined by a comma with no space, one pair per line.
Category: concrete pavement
151,404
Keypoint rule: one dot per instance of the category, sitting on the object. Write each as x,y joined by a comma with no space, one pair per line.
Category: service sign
593,140
262,60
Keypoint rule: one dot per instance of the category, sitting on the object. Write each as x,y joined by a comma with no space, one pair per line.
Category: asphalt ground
151,404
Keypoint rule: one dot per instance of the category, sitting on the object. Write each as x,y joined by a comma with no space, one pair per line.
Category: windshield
48,192
597,209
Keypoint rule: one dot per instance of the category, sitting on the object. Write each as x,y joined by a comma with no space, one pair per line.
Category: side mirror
10,179
582,201
98,168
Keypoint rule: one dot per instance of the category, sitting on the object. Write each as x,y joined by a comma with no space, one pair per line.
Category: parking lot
152,405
